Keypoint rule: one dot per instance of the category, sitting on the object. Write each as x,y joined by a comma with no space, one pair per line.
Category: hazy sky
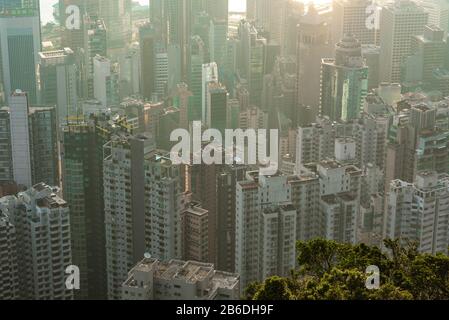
47,14
234,5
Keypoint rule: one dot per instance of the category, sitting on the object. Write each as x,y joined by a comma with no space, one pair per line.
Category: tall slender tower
313,44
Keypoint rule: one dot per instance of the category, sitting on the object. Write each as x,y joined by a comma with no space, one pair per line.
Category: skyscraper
313,44
250,57
197,57
58,81
218,9
399,22
352,17
209,75
218,33
117,18
344,81
30,143
20,44
20,139
430,48
217,107
270,16
147,42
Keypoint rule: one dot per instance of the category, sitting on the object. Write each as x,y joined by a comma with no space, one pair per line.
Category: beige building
194,222
152,279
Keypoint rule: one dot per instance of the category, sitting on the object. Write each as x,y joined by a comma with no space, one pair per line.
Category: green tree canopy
333,271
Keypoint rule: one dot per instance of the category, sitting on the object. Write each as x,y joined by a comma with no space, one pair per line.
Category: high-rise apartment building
305,188
416,144
42,223
195,233
340,197
9,276
265,231
31,143
226,208
142,197
419,212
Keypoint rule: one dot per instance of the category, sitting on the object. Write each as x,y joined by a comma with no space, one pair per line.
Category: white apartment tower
419,212
20,138
317,141
42,223
265,228
340,200
142,206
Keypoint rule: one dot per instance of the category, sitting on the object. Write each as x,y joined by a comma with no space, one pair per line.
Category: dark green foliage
334,271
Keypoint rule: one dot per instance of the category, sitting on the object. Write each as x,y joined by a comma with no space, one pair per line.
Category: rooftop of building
55,53
373,98
196,209
188,271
